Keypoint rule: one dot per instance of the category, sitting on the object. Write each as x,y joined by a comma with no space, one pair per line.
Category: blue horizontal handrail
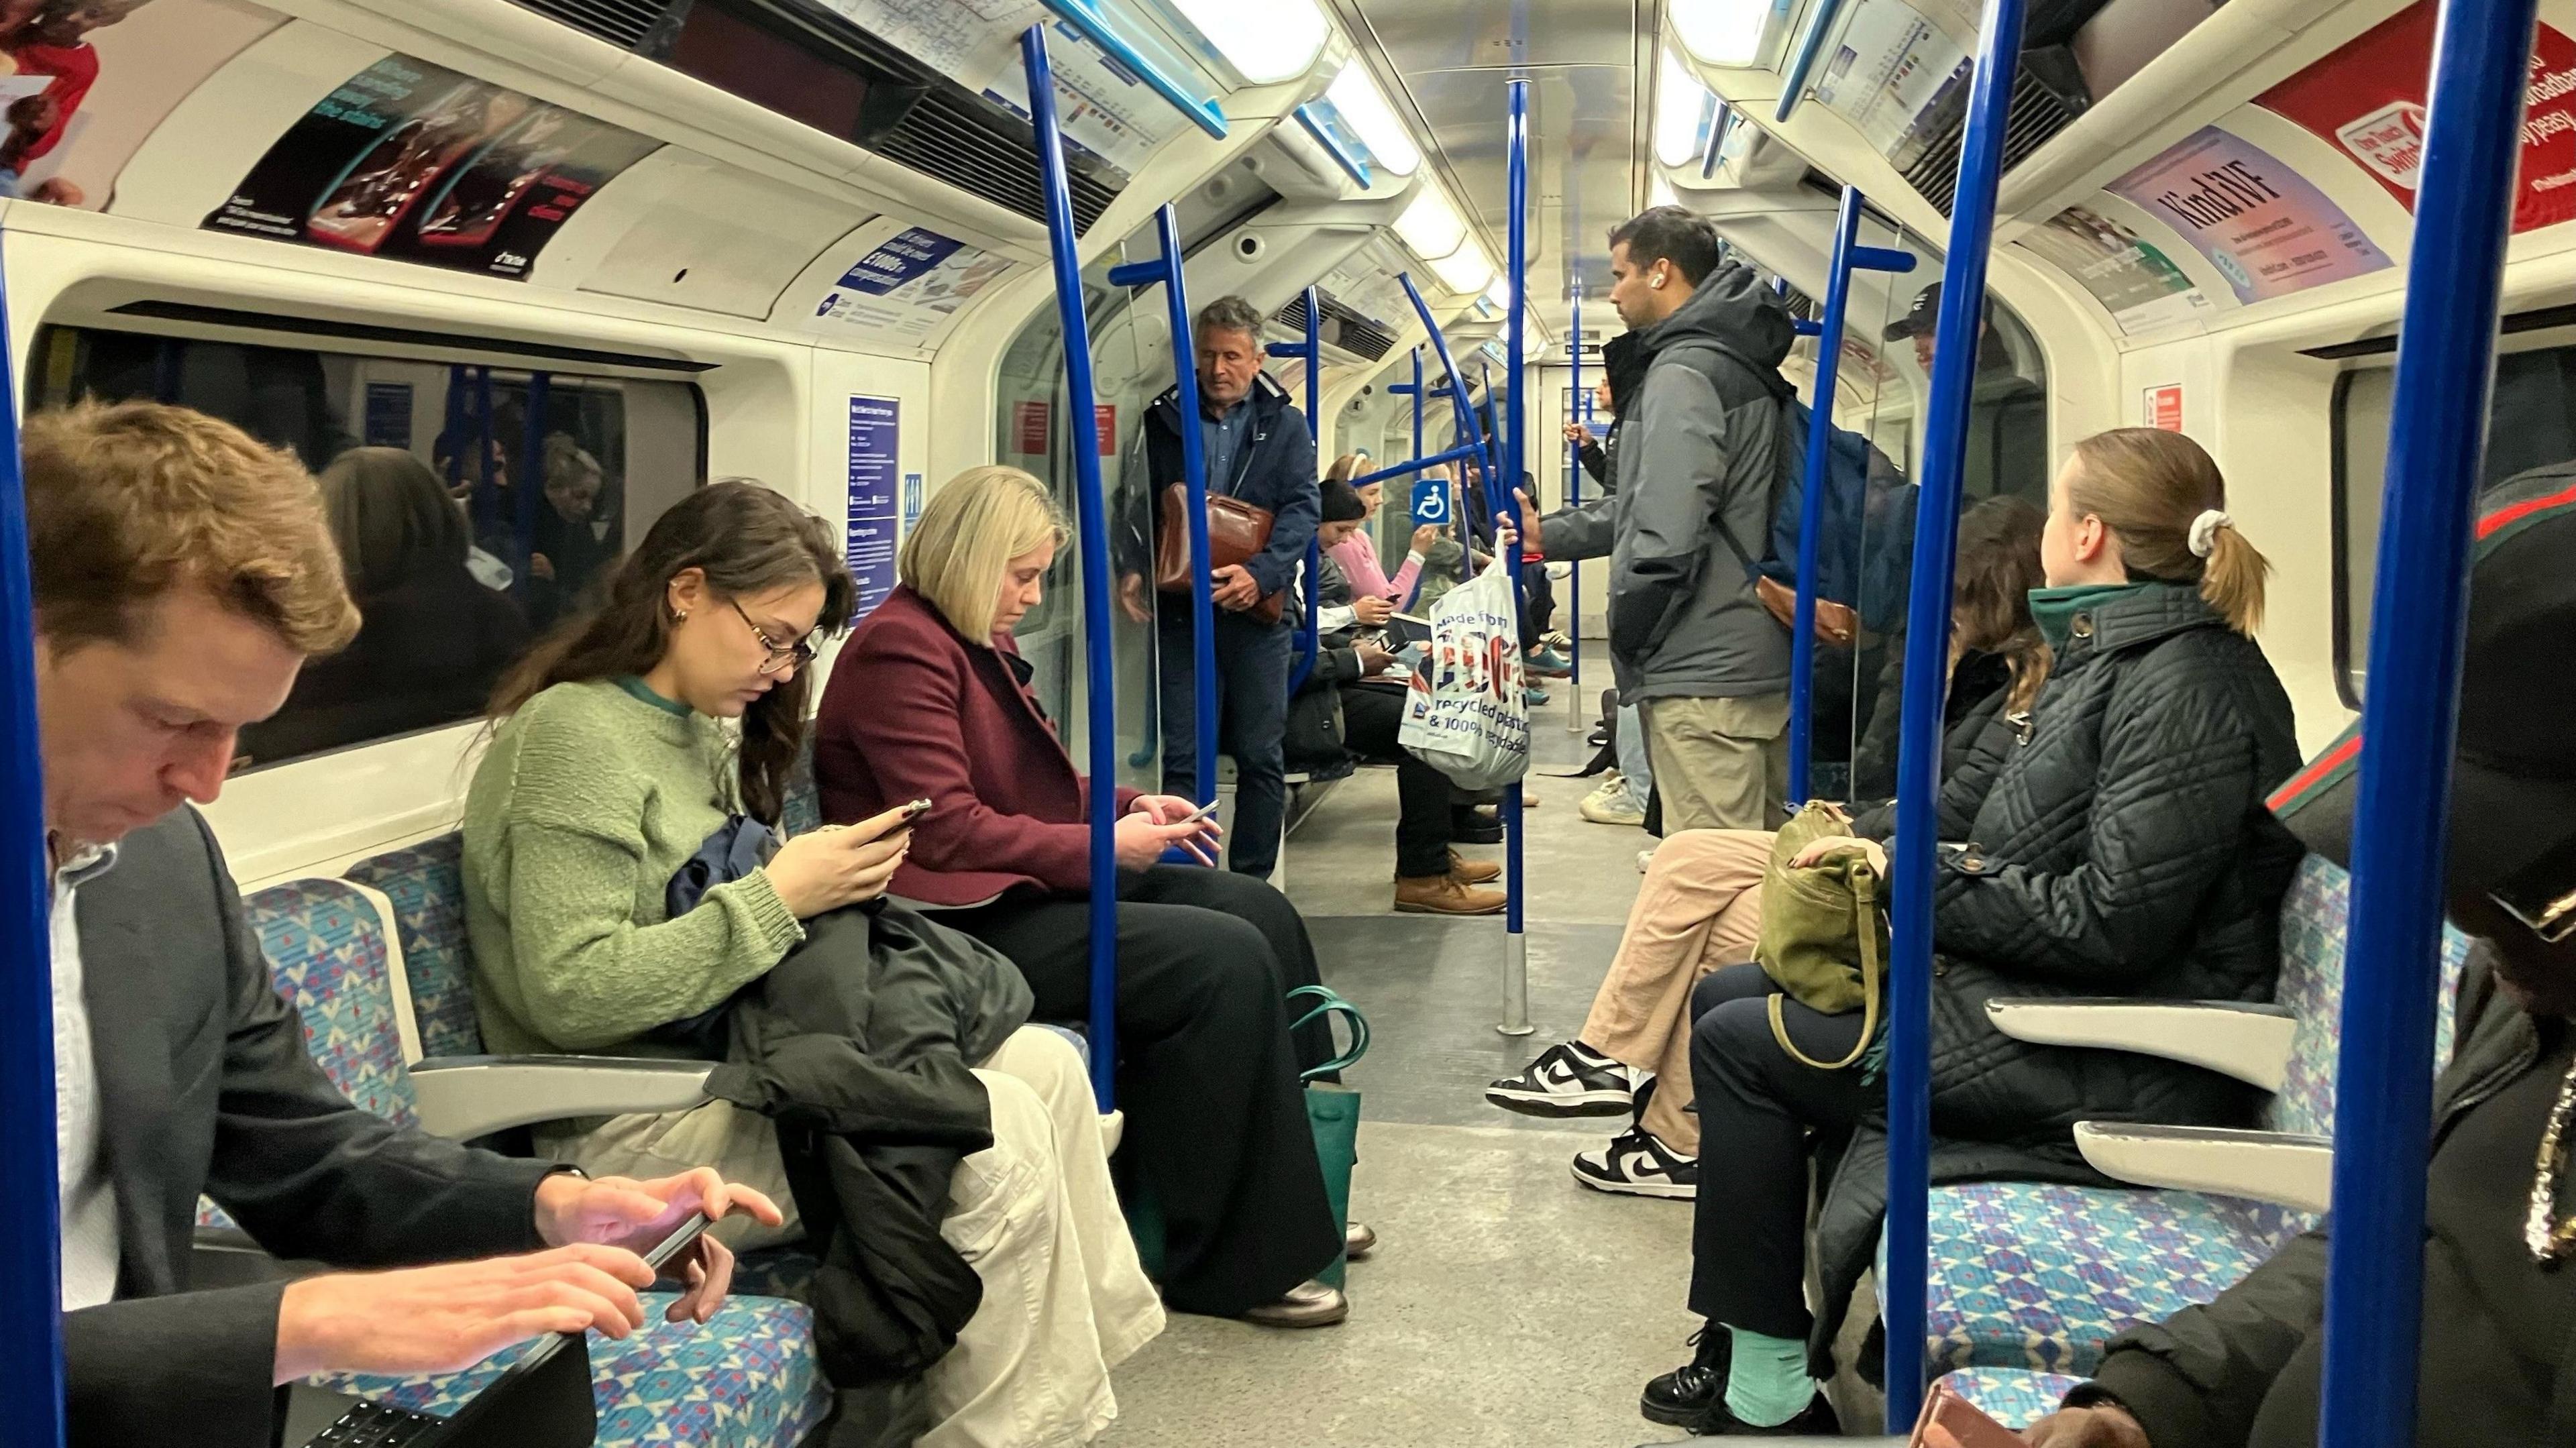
1351,165
1086,20
1454,455
1793,86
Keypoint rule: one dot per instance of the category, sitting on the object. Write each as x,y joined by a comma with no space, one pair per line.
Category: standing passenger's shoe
1359,1239
1308,1304
1634,1164
1445,895
1818,1421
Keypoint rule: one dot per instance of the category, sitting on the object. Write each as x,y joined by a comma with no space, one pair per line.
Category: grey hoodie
1701,443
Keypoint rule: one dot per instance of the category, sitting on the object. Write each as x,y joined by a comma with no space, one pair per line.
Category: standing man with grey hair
1259,450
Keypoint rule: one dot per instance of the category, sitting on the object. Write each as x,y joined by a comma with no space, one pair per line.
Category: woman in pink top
1358,553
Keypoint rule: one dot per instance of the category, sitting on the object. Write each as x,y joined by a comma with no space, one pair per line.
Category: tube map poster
415,162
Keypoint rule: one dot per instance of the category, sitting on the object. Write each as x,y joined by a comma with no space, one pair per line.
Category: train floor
1506,1305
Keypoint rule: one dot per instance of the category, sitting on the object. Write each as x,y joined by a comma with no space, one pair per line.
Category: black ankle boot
1683,1396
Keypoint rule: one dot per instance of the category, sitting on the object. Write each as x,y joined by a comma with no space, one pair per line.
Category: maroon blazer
915,711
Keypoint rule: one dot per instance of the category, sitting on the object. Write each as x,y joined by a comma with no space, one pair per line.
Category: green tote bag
1824,937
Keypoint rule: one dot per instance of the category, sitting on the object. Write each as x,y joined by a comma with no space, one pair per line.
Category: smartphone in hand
1951,1421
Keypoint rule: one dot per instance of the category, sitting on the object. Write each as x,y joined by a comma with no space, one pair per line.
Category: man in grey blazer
183,573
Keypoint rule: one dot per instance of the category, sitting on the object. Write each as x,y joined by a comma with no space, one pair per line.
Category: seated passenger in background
2244,1370
183,573
1351,681
576,540
2119,846
1356,551
434,640
611,766
1701,905
931,700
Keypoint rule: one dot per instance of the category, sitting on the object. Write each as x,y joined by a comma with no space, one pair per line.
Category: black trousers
1371,716
1757,1105
1216,1120
1538,603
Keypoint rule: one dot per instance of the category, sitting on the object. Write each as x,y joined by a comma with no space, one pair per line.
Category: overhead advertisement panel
2135,282
82,86
907,287
2260,223
2367,99
415,162
1886,72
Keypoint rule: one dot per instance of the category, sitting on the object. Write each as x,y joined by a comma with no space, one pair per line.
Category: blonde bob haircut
975,525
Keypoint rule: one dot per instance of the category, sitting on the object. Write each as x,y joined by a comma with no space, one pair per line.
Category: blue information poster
389,414
873,480
911,500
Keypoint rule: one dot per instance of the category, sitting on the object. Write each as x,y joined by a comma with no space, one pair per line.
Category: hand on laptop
442,1319
623,1212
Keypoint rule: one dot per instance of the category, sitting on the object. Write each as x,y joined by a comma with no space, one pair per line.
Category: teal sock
1766,1379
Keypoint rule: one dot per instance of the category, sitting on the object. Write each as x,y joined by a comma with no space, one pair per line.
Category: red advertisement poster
1105,418
1029,427
2368,100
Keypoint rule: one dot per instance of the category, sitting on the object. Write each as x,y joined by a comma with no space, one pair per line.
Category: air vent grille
1343,326
914,116
622,23
2038,113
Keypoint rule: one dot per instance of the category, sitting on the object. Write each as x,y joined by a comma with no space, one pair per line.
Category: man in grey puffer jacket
1699,455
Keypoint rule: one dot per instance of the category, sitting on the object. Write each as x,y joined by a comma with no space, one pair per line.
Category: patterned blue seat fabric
749,1377
2041,1277
427,885
2012,1396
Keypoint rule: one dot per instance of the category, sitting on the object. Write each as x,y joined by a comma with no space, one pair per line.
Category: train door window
2531,423
475,507
2007,404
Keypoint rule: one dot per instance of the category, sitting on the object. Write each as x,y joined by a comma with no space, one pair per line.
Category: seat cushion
2311,986
2014,1397
326,950
427,885
746,1378
2032,1275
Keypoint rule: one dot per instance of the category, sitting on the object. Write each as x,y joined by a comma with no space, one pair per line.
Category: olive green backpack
1816,923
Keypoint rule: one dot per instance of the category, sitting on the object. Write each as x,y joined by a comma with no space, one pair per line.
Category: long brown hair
746,539
2150,487
391,517
1990,599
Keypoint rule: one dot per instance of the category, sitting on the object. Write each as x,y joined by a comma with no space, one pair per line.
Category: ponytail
2163,497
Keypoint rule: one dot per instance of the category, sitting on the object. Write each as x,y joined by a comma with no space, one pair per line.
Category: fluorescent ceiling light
1464,270
1369,117
1684,110
1430,226
1500,293
1722,32
1264,40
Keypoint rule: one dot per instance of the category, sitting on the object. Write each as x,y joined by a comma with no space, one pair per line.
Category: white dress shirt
90,1248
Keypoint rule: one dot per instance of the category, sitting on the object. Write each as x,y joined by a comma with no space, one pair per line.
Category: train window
2531,422
474,507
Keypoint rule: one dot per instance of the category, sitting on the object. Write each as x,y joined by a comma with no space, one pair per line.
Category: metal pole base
1516,1021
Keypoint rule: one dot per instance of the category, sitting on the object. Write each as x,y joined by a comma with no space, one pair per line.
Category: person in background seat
611,766
931,700
2494,1365
2116,844
183,574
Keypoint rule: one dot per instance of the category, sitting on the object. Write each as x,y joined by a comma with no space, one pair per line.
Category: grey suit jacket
206,1086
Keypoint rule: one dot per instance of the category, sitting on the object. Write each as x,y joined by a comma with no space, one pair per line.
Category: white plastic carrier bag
1466,713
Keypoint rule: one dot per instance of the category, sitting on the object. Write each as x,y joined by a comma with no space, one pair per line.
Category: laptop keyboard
374,1425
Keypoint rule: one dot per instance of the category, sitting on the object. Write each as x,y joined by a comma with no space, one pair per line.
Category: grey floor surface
1507,1306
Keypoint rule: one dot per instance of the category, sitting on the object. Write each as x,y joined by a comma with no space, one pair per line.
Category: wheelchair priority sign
1431,502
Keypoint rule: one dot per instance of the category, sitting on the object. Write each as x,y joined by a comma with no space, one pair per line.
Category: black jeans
1207,1071
1756,1105
1252,667
1371,716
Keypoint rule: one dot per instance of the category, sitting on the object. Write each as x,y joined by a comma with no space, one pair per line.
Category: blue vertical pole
2401,817
1417,402
1505,493
1082,427
532,475
1581,411
1927,662
1166,269
31,1268
1469,434
1849,256
487,498
1310,629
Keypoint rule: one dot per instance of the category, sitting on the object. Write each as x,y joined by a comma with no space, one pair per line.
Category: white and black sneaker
1568,1080
1637,1165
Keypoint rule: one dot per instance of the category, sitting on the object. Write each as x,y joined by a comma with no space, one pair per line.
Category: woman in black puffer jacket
2117,845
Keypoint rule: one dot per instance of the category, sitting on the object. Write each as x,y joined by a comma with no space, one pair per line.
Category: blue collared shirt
1224,439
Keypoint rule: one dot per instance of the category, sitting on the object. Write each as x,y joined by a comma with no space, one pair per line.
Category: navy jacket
1275,470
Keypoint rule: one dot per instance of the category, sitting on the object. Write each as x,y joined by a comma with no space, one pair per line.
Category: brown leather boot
1443,895
1473,872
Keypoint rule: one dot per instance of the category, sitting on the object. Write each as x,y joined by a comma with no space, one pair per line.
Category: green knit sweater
590,798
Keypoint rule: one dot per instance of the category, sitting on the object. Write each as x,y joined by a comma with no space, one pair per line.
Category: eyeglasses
799,653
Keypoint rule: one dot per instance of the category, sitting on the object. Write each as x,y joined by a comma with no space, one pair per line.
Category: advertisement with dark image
416,162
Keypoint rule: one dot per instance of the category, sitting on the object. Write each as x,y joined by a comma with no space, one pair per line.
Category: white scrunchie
2204,531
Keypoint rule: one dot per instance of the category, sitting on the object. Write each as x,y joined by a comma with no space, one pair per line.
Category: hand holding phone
842,865
1951,1421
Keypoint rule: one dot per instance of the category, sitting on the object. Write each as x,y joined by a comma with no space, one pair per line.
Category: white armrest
469,1096
2248,1042
2268,1166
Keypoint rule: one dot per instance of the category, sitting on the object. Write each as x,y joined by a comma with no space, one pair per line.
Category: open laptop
541,1400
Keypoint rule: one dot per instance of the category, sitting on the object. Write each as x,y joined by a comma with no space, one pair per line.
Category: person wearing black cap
2499,1300
2007,413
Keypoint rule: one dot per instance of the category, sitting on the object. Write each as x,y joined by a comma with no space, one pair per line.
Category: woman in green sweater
624,742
